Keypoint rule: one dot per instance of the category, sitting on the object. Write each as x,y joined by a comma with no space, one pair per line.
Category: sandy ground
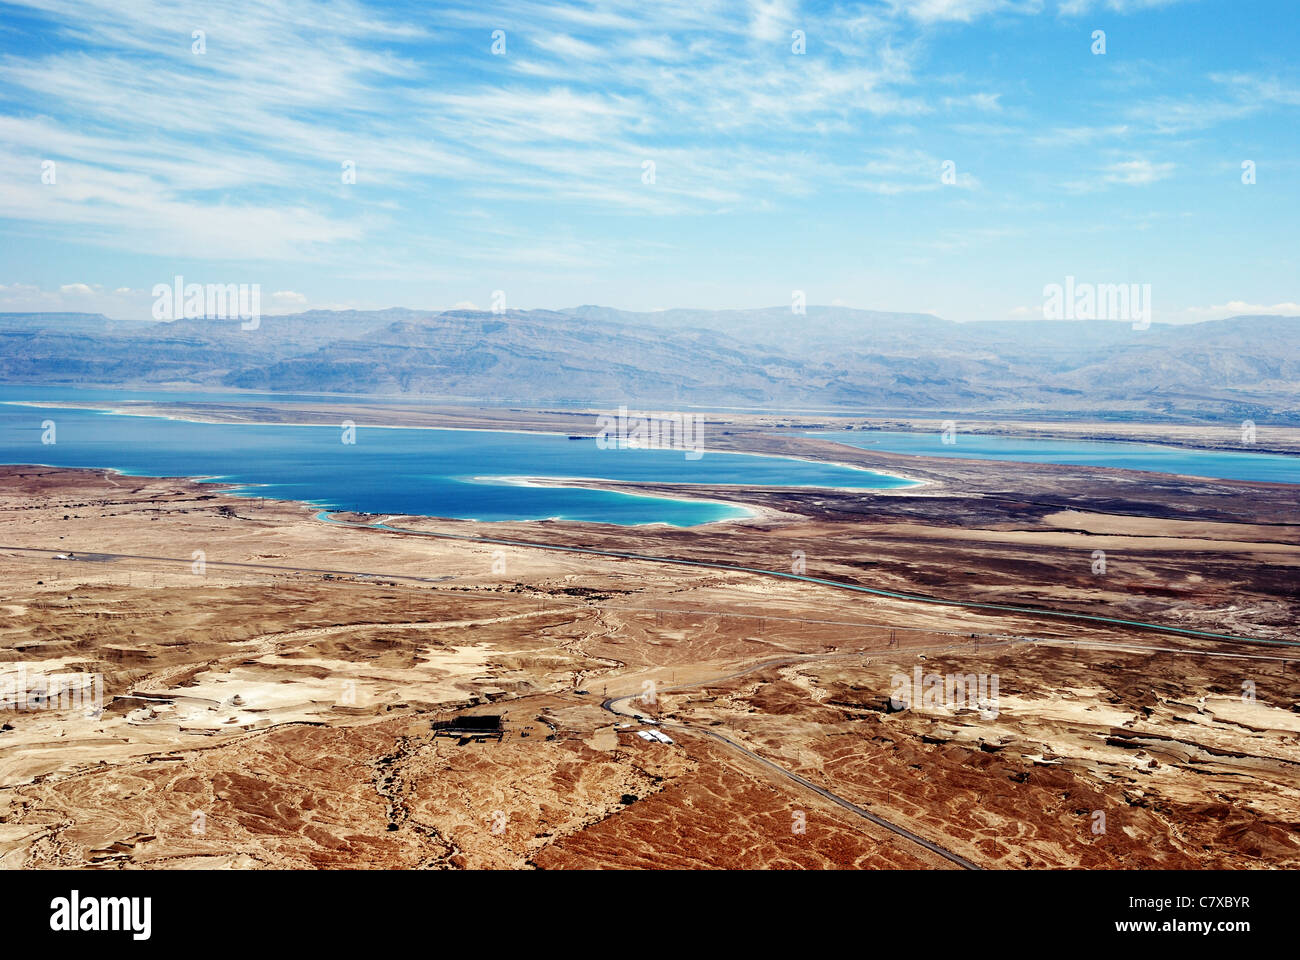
269,680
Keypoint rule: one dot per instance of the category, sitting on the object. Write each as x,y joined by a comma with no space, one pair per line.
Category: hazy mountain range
827,358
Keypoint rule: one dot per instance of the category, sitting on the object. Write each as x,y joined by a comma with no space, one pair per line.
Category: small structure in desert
470,727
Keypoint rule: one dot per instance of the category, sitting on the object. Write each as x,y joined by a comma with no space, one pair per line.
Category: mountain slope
829,357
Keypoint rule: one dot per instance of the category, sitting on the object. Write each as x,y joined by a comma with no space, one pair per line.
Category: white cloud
236,154
1171,117
986,102
897,171
1260,89
964,11
1241,308
1137,172
77,297
217,156
563,45
1071,8
772,20
1074,136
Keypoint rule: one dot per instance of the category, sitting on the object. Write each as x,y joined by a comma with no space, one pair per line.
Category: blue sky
524,171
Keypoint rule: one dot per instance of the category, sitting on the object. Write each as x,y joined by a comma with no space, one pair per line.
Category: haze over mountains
830,357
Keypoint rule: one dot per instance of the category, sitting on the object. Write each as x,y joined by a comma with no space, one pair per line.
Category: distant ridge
829,357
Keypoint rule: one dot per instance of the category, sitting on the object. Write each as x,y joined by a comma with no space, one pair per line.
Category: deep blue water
1222,464
444,473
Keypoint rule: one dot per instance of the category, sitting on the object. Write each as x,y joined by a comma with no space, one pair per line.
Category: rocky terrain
270,682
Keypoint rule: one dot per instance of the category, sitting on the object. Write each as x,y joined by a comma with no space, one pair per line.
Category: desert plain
283,691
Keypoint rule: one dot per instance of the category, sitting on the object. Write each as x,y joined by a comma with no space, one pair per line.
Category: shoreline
586,482
753,511
120,412
224,485
1283,439
1136,434
930,471
907,481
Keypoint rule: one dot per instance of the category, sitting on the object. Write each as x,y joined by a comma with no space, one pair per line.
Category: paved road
101,557
649,558
780,574
50,553
611,704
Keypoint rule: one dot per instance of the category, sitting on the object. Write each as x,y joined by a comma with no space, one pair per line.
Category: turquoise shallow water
445,473
463,474
1221,464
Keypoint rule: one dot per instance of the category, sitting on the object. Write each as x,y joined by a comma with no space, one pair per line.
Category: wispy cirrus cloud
158,139
1074,8
1136,173
963,11
1139,172
345,139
